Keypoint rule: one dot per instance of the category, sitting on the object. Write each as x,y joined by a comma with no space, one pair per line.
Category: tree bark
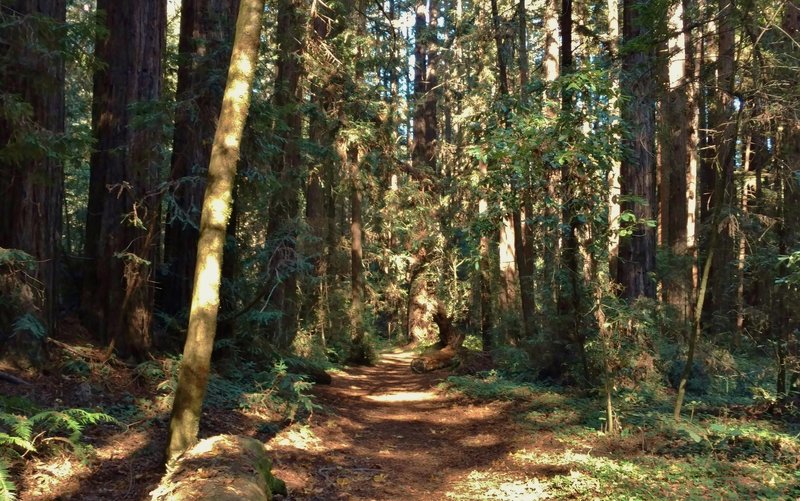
217,203
204,49
122,224
286,167
679,167
637,250
31,196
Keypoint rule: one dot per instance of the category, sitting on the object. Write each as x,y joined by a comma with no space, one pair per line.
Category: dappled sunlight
300,437
404,396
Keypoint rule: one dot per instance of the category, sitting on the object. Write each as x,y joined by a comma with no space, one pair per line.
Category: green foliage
488,386
30,324
21,435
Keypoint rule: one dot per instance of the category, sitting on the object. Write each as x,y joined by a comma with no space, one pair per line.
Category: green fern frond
8,491
6,439
30,323
20,426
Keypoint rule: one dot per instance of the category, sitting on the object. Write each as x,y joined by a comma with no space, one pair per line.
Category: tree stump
221,468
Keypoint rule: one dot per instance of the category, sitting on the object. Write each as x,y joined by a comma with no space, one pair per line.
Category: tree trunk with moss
217,205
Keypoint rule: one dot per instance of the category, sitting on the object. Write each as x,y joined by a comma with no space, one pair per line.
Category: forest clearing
395,249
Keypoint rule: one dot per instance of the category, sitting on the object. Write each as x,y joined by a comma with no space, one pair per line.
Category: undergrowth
23,436
722,449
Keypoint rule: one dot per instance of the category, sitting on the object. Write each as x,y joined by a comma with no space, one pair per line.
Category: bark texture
122,224
31,192
207,28
217,204
637,250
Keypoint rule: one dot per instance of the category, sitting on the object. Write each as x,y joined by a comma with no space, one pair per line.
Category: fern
30,323
8,491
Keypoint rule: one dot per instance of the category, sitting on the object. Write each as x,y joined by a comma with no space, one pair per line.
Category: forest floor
386,433
389,434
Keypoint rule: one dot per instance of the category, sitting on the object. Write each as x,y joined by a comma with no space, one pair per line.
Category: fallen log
221,468
434,360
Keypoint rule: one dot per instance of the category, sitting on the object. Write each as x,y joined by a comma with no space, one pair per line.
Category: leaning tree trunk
122,224
193,377
32,188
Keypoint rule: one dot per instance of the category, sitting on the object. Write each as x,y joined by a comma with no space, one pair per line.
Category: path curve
388,434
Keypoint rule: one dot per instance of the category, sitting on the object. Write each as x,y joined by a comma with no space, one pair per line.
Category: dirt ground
384,433
388,434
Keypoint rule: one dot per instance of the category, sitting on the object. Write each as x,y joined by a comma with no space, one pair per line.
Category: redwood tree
32,75
204,49
122,224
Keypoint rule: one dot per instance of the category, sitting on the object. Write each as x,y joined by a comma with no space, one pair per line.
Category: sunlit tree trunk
217,204
551,72
679,166
204,49
31,195
637,250
613,105
122,224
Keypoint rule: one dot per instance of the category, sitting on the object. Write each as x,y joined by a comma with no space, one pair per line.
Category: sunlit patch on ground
300,437
481,440
494,486
402,396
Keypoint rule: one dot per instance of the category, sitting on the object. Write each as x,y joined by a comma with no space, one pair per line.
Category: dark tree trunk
637,251
281,229
523,230
420,148
206,32
31,195
122,227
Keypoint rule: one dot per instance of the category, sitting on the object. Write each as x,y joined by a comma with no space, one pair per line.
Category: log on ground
435,360
221,468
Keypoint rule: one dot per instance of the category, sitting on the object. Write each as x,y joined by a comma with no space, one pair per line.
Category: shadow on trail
387,434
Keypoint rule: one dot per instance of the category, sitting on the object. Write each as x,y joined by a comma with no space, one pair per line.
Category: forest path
388,434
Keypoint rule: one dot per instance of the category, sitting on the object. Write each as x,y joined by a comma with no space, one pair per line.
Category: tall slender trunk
193,378
636,261
284,205
523,230
679,166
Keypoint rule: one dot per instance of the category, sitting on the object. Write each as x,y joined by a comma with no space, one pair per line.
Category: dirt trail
387,434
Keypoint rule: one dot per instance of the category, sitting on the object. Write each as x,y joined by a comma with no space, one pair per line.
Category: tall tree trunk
523,230
679,147
217,203
420,151
204,48
552,70
32,192
122,224
281,228
614,174
725,138
637,250
787,338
